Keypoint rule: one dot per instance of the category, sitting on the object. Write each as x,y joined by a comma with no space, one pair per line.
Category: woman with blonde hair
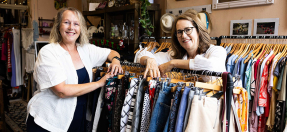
191,49
63,72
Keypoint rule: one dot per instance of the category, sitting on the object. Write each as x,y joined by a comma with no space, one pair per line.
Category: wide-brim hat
166,22
205,20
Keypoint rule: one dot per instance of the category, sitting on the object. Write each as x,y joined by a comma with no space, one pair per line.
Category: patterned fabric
145,113
278,115
118,106
109,102
152,85
264,84
127,104
138,106
253,74
174,109
129,124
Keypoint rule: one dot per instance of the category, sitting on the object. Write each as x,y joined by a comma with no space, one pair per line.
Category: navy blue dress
79,120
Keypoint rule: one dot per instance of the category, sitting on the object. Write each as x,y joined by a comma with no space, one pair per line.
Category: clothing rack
229,84
248,37
153,38
216,39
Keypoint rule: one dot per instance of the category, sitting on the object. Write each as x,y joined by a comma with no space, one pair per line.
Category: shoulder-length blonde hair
204,38
55,36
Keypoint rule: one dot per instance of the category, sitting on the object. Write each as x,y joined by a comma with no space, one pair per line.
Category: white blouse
212,60
53,66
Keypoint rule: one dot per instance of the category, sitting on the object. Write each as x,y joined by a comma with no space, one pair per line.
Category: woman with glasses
191,49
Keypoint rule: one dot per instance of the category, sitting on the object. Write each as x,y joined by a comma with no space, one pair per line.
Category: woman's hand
165,67
152,68
102,81
115,67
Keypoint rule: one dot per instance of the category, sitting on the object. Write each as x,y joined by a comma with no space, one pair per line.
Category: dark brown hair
204,38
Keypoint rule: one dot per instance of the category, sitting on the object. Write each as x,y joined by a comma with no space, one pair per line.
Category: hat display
166,22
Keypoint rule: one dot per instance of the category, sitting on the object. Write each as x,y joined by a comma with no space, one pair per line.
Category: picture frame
216,4
240,27
266,27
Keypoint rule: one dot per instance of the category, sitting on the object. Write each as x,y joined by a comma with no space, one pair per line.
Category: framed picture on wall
266,27
240,27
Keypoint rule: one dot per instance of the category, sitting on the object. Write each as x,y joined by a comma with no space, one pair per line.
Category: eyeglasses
187,30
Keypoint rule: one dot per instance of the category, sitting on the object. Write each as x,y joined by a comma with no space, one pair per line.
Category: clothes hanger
206,85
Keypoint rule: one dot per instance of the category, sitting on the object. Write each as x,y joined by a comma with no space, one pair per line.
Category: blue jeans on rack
182,110
161,109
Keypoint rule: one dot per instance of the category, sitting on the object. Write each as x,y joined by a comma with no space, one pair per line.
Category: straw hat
166,22
204,18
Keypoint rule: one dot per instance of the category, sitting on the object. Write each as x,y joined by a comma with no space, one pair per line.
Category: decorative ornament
60,4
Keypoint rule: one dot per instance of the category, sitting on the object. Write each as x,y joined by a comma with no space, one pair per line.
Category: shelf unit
128,13
41,25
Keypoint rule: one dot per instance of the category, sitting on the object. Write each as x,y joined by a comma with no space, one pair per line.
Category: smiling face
70,27
190,41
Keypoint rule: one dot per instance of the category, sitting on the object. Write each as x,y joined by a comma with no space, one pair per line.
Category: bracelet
116,58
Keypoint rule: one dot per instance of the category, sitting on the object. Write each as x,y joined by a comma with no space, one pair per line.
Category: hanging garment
27,38
127,104
105,123
30,61
190,97
138,106
131,111
98,109
119,104
204,115
174,109
182,110
278,118
16,46
4,52
161,109
145,120
9,39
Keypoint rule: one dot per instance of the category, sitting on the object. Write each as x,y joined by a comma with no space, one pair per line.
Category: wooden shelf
125,14
46,19
153,7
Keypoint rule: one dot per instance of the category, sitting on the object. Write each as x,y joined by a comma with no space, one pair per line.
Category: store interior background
220,17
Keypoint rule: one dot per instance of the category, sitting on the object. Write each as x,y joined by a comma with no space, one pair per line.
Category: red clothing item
9,38
264,83
4,52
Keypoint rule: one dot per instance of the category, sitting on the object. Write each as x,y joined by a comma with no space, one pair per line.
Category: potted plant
145,19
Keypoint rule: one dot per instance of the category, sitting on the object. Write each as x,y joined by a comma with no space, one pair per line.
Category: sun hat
205,20
166,22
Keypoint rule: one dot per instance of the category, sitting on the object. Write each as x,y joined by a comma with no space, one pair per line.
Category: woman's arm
213,60
64,90
166,67
151,66
115,66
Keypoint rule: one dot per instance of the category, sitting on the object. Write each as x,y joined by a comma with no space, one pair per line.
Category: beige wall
46,10
221,18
